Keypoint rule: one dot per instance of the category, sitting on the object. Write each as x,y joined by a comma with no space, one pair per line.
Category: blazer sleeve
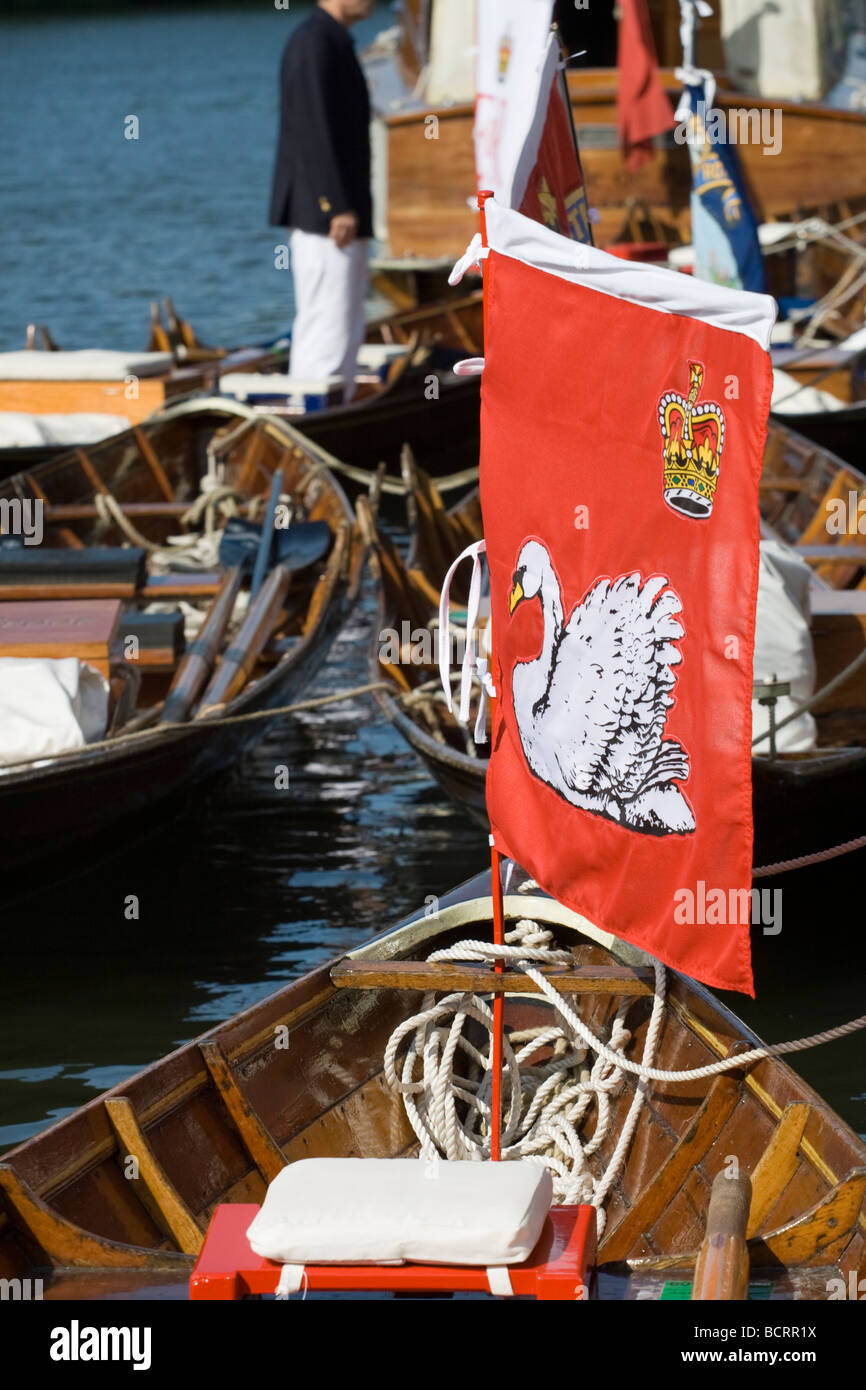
314,90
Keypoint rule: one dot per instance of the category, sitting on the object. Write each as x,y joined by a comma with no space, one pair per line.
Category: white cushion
783,645
374,356
49,706
243,385
88,364
377,1210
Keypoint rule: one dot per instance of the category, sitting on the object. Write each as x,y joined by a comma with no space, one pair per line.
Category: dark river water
245,886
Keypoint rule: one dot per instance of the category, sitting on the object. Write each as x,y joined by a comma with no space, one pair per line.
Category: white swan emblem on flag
591,708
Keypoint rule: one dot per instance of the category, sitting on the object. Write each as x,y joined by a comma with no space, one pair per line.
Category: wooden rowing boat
840,432
833,415
419,400
114,1199
139,487
427,182
819,789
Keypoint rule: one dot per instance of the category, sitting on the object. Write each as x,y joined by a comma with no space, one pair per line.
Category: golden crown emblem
693,436
504,55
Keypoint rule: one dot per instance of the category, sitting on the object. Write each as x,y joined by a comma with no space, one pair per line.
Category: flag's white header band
654,287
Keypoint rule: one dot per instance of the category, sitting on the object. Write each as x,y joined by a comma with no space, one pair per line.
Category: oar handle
722,1268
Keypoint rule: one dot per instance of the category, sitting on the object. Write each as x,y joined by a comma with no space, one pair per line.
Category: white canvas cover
374,1210
48,707
792,397
20,430
783,645
85,364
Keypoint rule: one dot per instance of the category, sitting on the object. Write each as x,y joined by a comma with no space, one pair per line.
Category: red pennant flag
555,194
525,144
624,413
644,109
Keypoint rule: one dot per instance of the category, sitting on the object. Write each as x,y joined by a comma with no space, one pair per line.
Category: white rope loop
471,662
546,1103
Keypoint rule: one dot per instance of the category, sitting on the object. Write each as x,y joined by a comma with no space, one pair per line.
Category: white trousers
330,285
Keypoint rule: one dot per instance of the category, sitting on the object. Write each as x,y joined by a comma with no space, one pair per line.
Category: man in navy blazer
321,188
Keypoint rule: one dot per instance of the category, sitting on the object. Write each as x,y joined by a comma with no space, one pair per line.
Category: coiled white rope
545,1104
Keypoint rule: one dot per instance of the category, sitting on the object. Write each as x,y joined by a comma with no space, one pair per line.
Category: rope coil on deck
544,1104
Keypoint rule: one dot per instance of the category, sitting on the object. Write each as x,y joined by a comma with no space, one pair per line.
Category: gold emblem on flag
693,435
504,55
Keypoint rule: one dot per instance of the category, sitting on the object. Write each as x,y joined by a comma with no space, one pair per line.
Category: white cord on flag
564,62
471,663
475,253
691,11
468,366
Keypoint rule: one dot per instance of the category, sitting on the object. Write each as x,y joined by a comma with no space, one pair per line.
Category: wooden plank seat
85,628
447,976
558,1268
152,640
836,554
107,572
823,601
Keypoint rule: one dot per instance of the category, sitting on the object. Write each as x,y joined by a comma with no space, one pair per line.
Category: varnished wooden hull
215,1120
49,814
799,806
843,432
374,427
441,428
49,809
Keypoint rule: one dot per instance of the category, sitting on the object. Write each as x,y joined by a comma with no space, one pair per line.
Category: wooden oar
722,1269
267,538
200,656
237,664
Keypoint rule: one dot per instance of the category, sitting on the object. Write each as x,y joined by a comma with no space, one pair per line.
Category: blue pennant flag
724,227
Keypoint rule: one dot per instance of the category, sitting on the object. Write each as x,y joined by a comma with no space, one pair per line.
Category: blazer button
325,204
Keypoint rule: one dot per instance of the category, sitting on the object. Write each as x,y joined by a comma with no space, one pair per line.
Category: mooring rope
803,861
815,699
217,721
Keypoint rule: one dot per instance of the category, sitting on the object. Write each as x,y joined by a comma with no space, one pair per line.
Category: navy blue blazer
323,155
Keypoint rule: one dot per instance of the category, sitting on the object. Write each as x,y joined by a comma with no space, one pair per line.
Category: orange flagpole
495,872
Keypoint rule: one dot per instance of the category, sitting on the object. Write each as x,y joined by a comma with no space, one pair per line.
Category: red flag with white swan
623,421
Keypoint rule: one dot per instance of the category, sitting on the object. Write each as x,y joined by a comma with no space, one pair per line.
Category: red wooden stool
558,1268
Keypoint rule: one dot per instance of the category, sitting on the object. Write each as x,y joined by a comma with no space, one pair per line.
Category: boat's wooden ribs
257,1139
148,453
70,538
328,581
68,1246
777,1164
252,463
90,472
690,1149
820,1236
171,1211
